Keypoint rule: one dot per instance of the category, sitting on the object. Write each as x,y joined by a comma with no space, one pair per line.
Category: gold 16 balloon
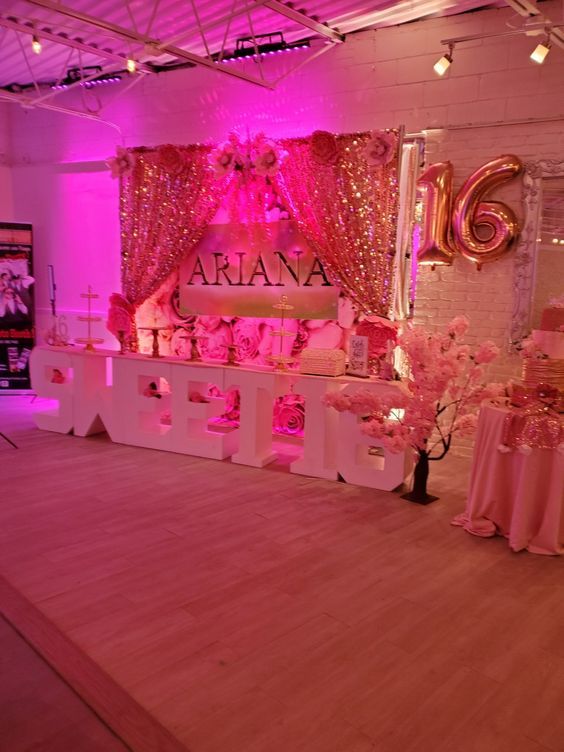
482,231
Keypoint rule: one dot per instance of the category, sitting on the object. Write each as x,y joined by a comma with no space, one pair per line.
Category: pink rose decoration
214,347
379,335
120,315
171,159
209,323
324,148
232,404
380,149
289,415
121,166
247,336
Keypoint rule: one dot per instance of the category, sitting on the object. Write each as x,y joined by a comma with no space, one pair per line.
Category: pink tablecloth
520,496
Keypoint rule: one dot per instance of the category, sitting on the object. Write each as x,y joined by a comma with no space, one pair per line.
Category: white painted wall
376,79
6,192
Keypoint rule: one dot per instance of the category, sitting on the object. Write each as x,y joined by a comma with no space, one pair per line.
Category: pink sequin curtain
166,203
346,205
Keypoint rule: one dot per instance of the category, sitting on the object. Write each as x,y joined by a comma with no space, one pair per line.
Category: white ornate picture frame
526,253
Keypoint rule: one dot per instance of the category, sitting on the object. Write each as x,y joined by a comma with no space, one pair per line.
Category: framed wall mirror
539,262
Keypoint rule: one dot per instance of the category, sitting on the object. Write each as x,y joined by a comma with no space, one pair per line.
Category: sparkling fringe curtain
165,206
347,210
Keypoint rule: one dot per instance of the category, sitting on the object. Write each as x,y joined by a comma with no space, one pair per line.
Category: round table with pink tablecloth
517,493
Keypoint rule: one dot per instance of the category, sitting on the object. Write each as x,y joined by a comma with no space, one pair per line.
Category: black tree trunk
419,493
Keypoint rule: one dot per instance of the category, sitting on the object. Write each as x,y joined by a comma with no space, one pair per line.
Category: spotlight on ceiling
131,65
541,51
36,45
443,64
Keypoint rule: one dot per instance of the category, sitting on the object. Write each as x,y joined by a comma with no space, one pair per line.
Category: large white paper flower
122,164
225,158
267,158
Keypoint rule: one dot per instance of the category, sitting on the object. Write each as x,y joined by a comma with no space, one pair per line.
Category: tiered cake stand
89,341
281,361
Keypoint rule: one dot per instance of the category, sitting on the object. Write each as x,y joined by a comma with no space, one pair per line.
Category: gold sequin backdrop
346,209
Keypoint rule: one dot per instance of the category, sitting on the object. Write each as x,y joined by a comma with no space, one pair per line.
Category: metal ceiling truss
146,49
23,28
156,47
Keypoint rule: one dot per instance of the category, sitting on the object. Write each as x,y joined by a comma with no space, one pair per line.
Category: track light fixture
131,65
36,45
538,55
541,50
443,64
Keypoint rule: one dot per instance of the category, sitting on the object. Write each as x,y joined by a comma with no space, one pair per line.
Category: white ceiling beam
304,20
147,42
405,11
28,103
66,42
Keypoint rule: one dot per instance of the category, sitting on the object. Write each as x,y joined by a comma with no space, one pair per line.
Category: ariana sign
242,270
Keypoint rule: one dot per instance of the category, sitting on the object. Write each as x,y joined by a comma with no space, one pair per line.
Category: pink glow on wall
76,229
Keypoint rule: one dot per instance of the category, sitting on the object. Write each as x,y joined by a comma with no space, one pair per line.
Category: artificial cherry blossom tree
443,392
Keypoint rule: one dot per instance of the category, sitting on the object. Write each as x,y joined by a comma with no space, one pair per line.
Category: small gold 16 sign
482,231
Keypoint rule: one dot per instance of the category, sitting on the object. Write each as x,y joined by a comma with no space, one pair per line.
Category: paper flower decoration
122,164
380,149
324,148
289,415
120,315
225,158
267,158
379,333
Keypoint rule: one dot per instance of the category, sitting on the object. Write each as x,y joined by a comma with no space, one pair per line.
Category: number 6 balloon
470,213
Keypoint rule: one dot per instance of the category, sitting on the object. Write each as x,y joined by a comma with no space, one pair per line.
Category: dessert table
517,493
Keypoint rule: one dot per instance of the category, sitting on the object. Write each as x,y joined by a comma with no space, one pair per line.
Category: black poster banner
17,332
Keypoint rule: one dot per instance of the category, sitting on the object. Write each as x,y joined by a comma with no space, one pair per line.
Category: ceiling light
131,65
262,45
443,64
36,45
541,51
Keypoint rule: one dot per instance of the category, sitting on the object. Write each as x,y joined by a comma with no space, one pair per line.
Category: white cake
550,341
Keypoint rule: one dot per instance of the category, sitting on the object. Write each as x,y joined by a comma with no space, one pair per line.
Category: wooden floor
250,610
